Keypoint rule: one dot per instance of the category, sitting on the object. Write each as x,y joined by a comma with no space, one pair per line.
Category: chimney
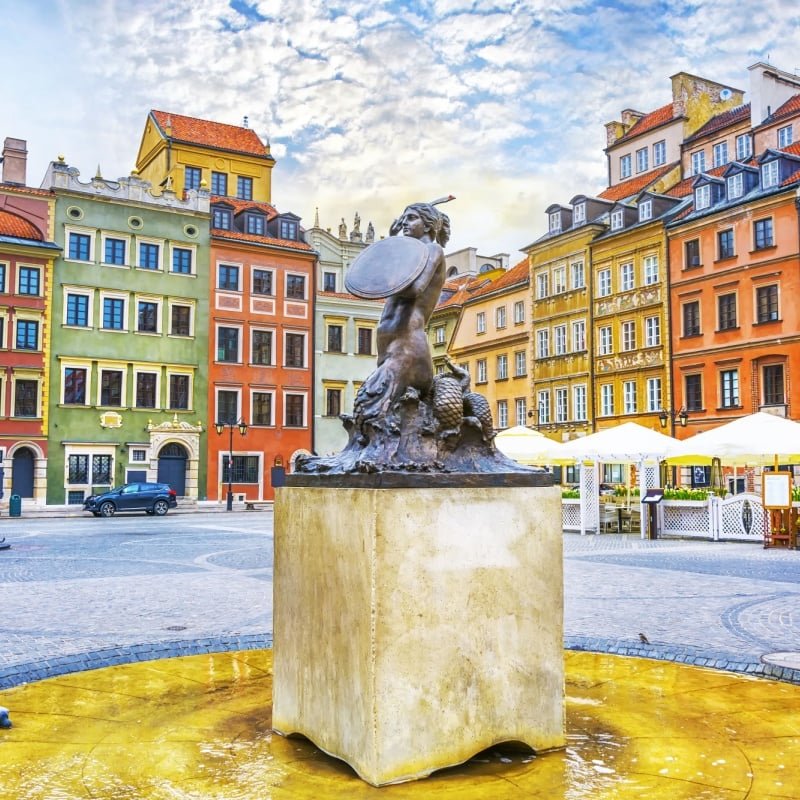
15,161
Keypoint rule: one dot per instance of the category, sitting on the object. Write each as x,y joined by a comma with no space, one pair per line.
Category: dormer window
770,174
735,185
578,214
617,219
288,229
645,210
255,224
555,222
221,219
702,196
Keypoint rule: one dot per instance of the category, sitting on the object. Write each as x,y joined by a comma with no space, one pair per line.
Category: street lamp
220,427
665,416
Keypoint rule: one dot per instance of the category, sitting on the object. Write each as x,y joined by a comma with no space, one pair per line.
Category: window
2,277
365,341
147,317
221,218
774,393
785,136
617,219
182,260
659,153
114,251
578,214
770,174
29,281
542,344
652,331
113,313
227,406
480,366
111,388
626,277
502,413
625,166
702,196
262,281
75,386
562,405
579,403
726,311
607,400
645,210
149,255
179,391
520,411
26,398
654,402
720,151
767,303
255,224
228,345
762,233
439,334
628,335
559,280
78,469
641,160
480,322
735,184
544,408
605,341
244,188
219,184
138,455
180,320
146,387
192,177
500,317
519,312
101,470
328,281
296,286
80,246
744,146
502,367
691,318
77,310
27,334
578,275
650,270
295,406
334,338
288,229
262,408
333,402
242,469
604,283
520,364
725,244
295,350
261,347
542,285
692,253
629,397
578,336
698,162
693,392
560,340
554,221
228,277
729,388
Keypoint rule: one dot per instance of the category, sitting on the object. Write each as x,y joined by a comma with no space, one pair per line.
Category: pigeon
643,639
5,722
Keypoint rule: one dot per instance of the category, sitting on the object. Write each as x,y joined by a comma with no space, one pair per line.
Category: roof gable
216,135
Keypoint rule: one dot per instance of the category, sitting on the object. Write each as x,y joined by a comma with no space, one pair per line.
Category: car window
134,487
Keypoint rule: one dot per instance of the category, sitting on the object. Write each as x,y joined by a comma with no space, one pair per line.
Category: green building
129,336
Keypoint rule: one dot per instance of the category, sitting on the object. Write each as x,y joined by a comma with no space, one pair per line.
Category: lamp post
220,427
665,416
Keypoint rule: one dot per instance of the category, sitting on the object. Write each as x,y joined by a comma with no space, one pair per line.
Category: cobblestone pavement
81,592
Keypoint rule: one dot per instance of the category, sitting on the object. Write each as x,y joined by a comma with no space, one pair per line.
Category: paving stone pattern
80,593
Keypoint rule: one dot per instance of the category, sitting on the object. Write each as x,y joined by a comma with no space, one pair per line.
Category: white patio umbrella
528,446
757,439
629,443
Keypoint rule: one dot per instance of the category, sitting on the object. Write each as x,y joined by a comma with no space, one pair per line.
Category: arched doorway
22,472
172,467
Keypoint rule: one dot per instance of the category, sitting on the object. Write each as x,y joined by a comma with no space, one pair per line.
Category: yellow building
491,338
180,153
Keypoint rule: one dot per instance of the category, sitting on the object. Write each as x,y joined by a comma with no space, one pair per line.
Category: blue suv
152,498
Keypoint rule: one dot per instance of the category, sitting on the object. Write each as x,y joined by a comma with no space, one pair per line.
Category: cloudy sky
371,104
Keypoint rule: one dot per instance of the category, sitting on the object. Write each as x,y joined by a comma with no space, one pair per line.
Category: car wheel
160,507
107,509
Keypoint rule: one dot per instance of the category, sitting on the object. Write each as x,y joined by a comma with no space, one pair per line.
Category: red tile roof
635,185
648,122
218,233
10,187
243,205
789,109
519,273
732,116
684,188
18,228
217,135
464,293
469,287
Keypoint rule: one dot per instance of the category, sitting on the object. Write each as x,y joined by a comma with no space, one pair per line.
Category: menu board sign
776,489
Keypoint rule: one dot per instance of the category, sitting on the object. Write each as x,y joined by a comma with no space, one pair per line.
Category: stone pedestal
414,628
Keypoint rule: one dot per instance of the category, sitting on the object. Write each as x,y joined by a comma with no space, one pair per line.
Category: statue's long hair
435,221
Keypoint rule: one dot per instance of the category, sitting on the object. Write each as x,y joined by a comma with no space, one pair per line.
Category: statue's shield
386,267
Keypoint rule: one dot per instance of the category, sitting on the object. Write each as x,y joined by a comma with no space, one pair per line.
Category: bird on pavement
643,639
